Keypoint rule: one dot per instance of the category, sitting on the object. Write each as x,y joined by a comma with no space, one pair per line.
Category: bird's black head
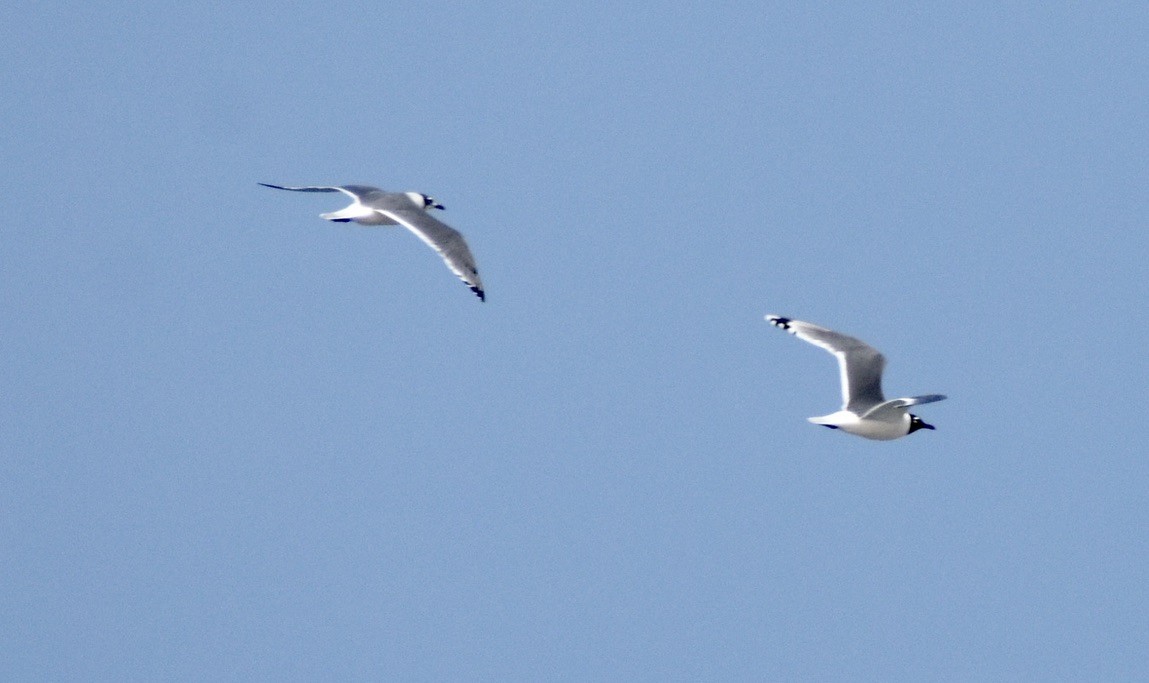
430,203
916,423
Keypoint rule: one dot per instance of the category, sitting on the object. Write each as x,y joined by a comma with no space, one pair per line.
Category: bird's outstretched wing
900,403
356,192
859,364
443,239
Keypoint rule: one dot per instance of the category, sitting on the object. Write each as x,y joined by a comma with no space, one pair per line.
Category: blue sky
242,443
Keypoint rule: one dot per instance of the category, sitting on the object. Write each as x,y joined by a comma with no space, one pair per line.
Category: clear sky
238,442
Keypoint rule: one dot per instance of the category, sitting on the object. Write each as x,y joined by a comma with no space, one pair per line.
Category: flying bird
865,412
372,206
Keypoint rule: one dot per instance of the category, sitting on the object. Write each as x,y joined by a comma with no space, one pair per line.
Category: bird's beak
918,423
439,207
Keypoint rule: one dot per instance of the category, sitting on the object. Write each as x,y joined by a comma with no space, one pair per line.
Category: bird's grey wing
859,364
894,407
443,239
918,400
905,402
356,192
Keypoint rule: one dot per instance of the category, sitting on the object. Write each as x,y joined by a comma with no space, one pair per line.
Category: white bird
865,412
372,206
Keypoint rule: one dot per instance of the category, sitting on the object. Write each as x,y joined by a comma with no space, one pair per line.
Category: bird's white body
365,215
895,426
865,412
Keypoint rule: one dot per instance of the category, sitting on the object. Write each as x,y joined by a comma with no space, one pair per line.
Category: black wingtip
779,321
479,293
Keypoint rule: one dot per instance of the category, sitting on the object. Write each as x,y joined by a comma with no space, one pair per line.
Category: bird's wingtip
779,321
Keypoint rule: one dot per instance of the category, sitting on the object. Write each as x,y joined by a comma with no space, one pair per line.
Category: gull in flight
372,206
865,412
